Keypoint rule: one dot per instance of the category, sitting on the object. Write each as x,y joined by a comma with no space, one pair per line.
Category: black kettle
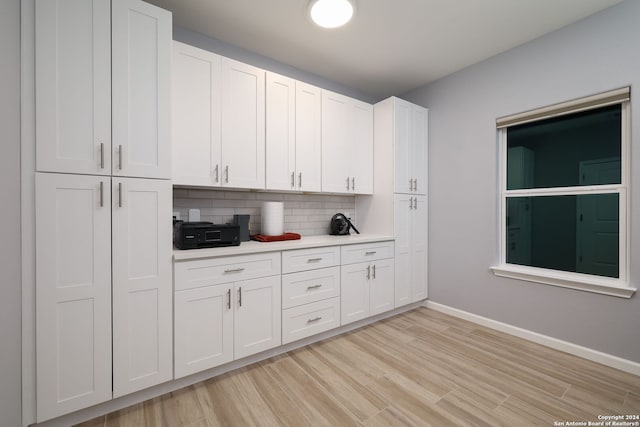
340,225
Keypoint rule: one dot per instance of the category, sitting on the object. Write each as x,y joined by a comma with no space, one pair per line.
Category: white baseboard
557,344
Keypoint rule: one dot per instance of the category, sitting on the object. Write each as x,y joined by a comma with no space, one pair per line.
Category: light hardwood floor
419,368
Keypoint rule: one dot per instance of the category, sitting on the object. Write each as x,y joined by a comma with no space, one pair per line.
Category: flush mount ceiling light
331,13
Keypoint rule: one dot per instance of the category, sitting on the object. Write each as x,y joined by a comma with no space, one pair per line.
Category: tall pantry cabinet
399,206
103,201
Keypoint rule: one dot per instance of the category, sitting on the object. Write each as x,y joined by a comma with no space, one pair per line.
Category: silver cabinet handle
370,253
119,194
229,298
411,184
300,180
226,173
234,270
120,157
314,259
315,319
293,180
415,203
374,271
368,272
217,173
415,184
353,183
101,194
410,203
102,155
347,183
240,296
313,287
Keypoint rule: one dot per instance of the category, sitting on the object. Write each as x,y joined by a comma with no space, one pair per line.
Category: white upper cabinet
102,88
243,125
73,292
196,86
218,119
410,141
293,139
280,132
308,137
141,55
142,284
347,145
361,158
73,86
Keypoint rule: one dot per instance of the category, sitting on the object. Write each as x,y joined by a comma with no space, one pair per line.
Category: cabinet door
308,137
401,139
419,148
243,125
73,86
142,284
361,163
381,288
403,213
354,292
257,317
141,55
280,132
196,86
73,292
419,258
203,328
336,149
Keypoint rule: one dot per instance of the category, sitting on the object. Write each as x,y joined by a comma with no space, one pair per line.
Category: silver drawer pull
234,270
315,319
314,259
370,253
313,287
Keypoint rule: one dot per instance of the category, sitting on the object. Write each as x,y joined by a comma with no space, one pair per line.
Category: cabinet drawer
212,271
310,286
309,259
310,319
352,254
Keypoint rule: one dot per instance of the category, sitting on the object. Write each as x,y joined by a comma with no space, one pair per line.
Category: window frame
620,286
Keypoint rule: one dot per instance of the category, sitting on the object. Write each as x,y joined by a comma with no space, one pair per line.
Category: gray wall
591,56
10,387
230,51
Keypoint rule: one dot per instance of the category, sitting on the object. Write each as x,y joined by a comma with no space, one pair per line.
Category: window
564,186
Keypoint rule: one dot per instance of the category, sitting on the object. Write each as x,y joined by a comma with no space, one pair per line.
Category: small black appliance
194,235
340,225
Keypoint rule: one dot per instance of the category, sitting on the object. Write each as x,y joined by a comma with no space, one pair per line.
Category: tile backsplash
306,214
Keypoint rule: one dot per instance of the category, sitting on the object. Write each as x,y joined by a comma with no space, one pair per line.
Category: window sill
582,282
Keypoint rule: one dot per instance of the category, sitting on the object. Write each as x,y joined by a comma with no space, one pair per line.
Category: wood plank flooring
420,368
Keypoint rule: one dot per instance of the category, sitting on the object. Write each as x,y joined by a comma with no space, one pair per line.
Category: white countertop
252,246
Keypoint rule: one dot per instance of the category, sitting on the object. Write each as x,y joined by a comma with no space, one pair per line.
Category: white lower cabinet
73,292
223,322
367,289
103,289
310,319
203,329
367,284
310,292
410,248
142,287
257,317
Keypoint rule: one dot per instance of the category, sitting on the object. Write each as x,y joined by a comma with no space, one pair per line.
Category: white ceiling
391,46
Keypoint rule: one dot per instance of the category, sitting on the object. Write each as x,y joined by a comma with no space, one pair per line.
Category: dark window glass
577,233
573,150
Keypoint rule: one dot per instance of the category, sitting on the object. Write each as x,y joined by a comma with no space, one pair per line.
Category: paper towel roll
272,219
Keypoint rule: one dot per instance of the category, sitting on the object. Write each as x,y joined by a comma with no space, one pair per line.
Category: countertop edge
253,247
